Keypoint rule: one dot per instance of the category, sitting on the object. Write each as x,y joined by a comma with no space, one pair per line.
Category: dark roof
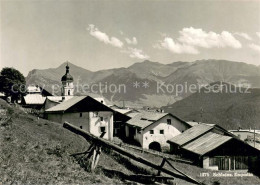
82,104
191,134
67,77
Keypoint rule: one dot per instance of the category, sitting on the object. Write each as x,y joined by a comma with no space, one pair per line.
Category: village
207,145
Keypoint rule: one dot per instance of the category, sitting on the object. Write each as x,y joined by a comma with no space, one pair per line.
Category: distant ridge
200,72
229,110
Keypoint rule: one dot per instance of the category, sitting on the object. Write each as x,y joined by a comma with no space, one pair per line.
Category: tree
12,83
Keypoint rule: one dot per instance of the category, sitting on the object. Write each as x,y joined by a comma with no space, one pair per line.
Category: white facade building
86,113
153,129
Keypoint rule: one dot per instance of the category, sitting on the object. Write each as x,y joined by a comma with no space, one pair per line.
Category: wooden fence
104,143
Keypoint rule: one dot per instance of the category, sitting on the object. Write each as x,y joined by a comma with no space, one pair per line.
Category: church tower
67,88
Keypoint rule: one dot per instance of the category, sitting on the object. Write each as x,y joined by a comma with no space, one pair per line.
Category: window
161,131
101,119
102,129
151,132
80,114
69,92
80,127
169,121
95,114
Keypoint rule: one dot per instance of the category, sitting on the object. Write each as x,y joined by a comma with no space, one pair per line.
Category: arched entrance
155,146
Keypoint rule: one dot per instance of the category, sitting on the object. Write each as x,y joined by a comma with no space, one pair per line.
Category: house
245,134
52,101
212,147
252,137
84,112
36,89
35,97
35,101
152,129
120,119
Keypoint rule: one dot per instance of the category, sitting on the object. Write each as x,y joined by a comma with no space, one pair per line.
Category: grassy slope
37,151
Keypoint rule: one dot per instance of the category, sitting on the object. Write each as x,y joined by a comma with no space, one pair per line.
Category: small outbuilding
212,147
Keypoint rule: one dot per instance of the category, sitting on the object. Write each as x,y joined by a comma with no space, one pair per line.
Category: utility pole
254,138
201,114
123,103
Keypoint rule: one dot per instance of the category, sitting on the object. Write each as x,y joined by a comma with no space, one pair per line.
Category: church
88,113
67,91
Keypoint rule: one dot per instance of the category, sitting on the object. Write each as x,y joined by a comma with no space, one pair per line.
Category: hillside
229,110
37,151
200,72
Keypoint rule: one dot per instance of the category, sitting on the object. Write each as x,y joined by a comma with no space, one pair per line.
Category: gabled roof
138,122
33,89
58,99
145,119
80,104
66,104
206,143
191,134
192,123
132,114
34,99
245,130
122,111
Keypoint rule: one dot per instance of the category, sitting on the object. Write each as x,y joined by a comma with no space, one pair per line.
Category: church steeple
67,83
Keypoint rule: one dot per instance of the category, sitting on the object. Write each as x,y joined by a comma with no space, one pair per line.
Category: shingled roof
206,143
66,104
34,99
191,134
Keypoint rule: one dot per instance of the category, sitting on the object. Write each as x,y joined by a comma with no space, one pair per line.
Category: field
37,151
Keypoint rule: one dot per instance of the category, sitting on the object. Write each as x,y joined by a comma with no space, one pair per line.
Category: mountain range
140,81
221,103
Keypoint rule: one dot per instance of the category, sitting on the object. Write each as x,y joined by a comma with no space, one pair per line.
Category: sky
107,34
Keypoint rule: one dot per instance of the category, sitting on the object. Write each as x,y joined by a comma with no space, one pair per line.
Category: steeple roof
67,77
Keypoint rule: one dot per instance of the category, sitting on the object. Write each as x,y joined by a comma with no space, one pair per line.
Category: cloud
258,34
199,38
254,47
136,53
244,35
190,39
103,37
169,44
133,41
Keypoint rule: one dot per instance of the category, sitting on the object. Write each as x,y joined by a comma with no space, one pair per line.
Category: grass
37,151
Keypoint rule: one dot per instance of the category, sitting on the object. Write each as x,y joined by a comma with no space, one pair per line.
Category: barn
212,147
